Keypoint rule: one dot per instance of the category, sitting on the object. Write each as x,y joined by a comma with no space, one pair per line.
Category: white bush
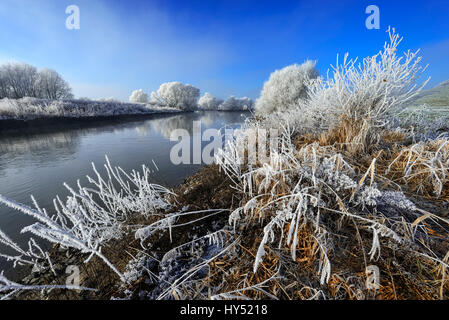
369,93
209,102
286,87
138,96
236,104
177,95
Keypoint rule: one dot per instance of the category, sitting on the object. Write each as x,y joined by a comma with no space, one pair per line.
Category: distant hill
435,97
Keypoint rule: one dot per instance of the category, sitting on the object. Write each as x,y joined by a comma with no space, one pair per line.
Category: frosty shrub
177,95
236,104
138,96
286,87
209,102
361,97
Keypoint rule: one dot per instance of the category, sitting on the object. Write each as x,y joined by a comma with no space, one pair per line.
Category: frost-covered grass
33,108
341,195
88,218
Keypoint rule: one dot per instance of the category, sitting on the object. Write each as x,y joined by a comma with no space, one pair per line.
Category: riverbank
28,113
209,256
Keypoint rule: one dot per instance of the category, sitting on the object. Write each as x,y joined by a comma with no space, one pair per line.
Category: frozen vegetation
236,104
28,94
19,80
34,108
177,95
286,87
209,102
347,204
138,96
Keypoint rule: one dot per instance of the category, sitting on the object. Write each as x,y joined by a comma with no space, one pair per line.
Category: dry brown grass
423,167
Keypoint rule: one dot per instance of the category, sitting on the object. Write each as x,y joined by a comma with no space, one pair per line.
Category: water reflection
185,121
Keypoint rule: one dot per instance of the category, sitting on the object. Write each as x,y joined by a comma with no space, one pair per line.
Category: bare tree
18,80
3,86
50,85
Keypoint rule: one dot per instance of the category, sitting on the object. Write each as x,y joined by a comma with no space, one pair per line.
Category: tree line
18,80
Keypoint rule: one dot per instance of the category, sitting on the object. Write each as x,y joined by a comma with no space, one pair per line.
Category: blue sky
222,47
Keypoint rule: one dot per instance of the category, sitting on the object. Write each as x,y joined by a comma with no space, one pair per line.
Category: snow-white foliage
236,104
209,102
286,88
91,216
368,92
33,108
138,96
177,95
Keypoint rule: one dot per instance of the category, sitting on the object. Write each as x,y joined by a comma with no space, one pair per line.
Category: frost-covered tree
236,104
286,87
50,85
177,95
138,96
209,102
3,87
18,80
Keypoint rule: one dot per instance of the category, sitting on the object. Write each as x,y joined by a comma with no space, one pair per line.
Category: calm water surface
38,163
